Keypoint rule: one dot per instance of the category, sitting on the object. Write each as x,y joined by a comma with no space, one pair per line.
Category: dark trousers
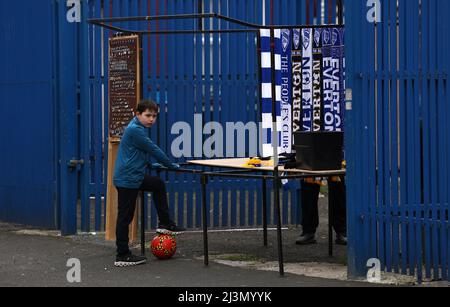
310,210
127,207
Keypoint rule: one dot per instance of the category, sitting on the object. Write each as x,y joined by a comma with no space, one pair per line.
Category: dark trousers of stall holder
310,210
127,205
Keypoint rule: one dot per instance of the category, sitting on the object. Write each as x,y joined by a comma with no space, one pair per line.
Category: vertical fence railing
398,199
444,113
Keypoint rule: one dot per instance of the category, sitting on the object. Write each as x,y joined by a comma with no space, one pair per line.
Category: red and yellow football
163,246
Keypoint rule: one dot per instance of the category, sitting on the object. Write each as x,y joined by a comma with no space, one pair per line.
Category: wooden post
122,105
111,200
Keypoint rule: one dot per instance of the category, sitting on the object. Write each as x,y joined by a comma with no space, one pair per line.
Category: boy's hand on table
156,166
174,166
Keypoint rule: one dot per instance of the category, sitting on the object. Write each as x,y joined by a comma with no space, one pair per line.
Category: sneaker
306,239
171,229
129,260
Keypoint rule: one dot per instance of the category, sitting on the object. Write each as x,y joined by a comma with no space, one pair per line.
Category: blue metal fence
189,75
63,184
53,93
28,150
397,141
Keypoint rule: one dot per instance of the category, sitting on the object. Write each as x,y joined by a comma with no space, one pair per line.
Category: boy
129,178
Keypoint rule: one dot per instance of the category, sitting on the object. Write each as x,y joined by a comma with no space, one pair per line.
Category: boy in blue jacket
130,177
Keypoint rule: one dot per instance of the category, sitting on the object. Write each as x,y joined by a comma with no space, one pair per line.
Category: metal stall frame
276,176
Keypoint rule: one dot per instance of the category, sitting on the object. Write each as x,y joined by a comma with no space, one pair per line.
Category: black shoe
129,260
306,239
341,239
170,229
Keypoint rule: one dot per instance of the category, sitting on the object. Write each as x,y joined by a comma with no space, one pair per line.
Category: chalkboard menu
124,82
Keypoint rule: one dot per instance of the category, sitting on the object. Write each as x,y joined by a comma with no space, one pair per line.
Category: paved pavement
34,258
31,257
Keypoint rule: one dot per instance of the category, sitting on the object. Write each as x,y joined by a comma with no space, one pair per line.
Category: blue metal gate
398,139
41,114
28,150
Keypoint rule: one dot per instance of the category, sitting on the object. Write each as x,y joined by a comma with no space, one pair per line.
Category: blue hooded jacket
133,156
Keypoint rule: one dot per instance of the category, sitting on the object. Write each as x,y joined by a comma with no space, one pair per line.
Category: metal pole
204,182
200,19
249,26
141,93
330,221
340,12
275,156
142,223
279,234
264,208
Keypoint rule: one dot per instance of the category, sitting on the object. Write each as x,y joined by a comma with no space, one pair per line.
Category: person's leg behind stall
310,213
337,194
